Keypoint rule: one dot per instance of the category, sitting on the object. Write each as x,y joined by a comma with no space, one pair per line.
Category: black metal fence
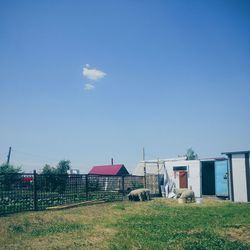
33,192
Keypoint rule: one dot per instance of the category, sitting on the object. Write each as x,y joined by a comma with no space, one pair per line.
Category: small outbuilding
110,170
239,175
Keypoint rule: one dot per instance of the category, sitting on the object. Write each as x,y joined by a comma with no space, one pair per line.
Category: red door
183,179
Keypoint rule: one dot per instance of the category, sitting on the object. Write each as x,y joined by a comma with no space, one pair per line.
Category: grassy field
157,224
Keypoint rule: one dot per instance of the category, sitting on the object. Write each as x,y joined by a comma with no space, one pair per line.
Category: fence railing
33,192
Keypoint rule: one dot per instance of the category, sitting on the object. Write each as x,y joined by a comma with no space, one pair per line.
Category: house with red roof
111,170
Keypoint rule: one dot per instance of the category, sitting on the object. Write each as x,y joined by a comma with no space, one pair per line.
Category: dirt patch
100,234
241,234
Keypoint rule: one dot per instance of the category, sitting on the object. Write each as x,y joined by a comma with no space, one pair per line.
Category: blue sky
166,75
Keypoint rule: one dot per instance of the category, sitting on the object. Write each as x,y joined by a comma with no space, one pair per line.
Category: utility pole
8,157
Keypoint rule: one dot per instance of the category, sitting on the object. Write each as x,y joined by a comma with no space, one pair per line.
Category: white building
204,176
239,175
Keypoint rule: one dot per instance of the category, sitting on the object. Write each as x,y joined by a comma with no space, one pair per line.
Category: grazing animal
179,191
140,194
187,195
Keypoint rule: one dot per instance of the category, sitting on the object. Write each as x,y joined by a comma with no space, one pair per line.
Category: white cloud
89,86
92,74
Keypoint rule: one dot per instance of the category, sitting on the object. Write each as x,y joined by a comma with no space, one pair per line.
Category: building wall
150,169
193,172
193,169
239,177
249,180
248,194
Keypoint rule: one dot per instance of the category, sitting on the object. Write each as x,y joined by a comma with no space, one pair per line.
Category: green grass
158,224
188,227
26,228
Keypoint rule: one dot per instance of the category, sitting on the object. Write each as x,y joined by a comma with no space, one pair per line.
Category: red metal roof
107,169
27,179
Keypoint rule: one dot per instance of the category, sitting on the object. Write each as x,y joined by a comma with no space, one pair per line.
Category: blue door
221,178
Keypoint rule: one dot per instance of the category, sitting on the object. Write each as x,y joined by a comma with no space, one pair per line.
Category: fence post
159,185
123,187
87,185
35,191
158,178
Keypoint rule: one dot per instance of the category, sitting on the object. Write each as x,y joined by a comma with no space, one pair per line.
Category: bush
9,176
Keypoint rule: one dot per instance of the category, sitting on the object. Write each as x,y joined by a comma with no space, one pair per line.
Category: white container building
239,175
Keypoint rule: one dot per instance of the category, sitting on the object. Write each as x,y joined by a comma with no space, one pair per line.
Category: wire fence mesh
33,192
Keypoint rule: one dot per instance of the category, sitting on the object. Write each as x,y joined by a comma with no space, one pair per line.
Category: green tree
47,169
63,167
9,175
191,155
9,169
55,179
46,180
62,175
